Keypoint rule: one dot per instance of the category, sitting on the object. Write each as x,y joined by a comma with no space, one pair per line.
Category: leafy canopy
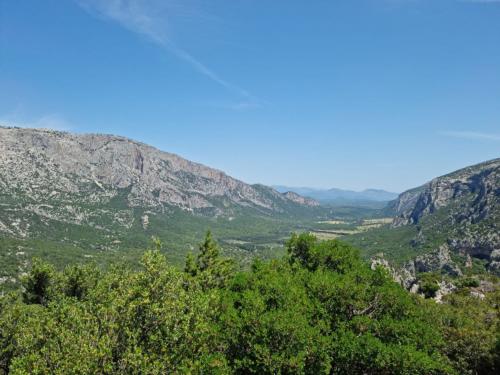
320,309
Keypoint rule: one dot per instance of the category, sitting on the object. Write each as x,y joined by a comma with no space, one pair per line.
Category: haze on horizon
349,94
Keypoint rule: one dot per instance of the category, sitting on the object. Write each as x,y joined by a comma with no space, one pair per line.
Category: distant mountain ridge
340,195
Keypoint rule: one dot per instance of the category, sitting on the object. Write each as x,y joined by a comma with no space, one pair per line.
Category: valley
249,187
94,198
78,213
331,229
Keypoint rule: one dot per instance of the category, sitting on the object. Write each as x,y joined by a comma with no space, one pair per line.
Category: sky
350,94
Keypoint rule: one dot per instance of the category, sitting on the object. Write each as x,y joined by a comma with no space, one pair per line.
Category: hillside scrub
319,309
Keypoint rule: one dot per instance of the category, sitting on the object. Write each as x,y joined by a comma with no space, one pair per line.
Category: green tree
209,268
320,309
41,284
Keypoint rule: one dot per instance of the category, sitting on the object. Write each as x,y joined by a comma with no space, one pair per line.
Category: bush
428,284
319,310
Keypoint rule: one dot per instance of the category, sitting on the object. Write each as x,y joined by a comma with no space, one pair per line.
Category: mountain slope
62,192
36,161
451,224
476,189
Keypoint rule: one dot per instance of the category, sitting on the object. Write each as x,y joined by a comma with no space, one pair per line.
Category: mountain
77,193
340,196
450,224
475,191
47,164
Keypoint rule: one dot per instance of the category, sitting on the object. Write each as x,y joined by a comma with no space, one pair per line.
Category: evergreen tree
209,268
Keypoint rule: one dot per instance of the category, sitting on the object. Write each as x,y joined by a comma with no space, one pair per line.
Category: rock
294,197
445,288
481,182
477,294
414,289
404,276
145,222
495,255
494,267
439,260
468,261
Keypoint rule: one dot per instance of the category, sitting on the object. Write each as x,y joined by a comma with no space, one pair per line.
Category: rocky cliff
475,188
463,209
96,179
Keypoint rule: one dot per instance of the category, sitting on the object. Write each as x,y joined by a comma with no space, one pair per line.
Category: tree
319,310
209,268
40,284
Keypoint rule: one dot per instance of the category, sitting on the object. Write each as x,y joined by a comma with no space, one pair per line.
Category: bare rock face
463,207
480,184
59,175
439,260
299,199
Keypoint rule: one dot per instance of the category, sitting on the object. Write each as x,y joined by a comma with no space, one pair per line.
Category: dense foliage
320,309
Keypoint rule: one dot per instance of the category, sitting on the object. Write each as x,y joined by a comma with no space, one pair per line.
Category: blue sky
326,93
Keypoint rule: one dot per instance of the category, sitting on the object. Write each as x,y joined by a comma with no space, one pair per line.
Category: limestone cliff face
463,206
479,185
58,174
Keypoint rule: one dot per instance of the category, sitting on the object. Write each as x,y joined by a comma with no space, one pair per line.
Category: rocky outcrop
463,207
495,261
477,187
445,288
437,261
296,198
405,276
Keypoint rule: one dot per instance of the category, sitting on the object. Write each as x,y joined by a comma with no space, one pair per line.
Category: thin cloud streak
150,18
180,53
472,135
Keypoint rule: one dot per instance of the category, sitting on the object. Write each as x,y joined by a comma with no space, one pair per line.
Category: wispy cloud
472,135
52,121
152,19
242,105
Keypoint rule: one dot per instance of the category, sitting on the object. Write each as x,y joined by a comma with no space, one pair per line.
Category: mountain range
340,196
96,167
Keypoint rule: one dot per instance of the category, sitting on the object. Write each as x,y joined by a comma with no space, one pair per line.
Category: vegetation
429,284
319,309
405,242
244,234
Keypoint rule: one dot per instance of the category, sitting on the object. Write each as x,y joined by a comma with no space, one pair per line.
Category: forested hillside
320,309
